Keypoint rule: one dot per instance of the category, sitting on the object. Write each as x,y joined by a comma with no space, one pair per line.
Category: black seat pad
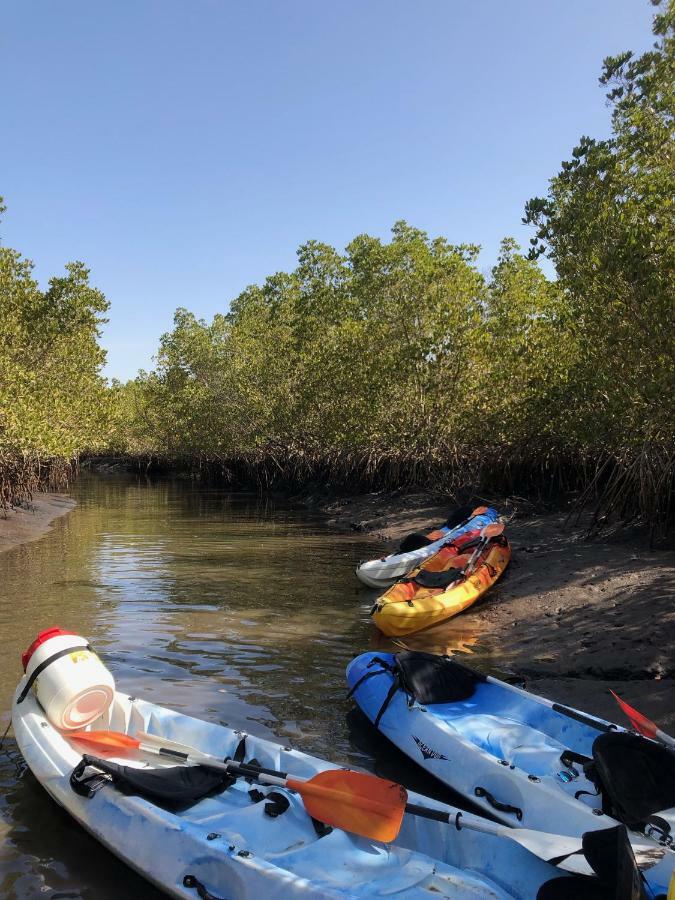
435,679
428,579
174,788
637,776
414,541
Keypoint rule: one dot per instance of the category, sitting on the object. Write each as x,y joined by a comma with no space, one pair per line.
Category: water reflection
236,609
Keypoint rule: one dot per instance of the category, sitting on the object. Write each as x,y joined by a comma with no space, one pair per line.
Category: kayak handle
195,884
498,804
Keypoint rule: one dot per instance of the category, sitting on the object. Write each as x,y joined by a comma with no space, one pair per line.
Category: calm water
229,607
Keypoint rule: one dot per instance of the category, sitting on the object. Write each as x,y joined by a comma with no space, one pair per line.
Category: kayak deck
501,747
400,611
235,849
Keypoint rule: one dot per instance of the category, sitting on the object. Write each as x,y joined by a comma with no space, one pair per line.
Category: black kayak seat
435,679
610,855
414,541
459,515
636,776
427,579
174,788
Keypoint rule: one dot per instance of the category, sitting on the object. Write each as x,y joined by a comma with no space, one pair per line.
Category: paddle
417,540
364,804
644,725
353,801
493,530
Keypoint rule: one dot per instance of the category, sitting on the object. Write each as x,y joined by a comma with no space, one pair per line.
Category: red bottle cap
45,635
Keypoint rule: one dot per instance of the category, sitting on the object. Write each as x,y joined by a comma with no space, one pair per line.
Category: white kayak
525,760
228,846
382,573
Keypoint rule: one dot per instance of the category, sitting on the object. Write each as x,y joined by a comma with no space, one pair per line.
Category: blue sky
183,150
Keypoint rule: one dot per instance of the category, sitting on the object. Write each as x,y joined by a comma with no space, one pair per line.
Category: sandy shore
30,522
573,617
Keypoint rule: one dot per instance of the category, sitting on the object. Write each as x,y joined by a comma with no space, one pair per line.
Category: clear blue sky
184,148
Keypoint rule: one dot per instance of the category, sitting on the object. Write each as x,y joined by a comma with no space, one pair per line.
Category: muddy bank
30,521
573,617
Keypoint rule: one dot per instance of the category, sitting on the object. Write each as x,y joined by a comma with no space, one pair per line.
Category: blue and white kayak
526,761
228,846
382,573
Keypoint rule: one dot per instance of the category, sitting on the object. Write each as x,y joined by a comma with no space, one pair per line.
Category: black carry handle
497,804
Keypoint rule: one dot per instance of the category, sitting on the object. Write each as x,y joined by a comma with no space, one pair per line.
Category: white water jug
71,683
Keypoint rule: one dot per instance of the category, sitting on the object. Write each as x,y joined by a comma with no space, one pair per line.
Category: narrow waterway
230,607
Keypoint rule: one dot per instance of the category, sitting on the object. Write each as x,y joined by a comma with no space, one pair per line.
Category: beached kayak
433,593
246,843
525,760
381,573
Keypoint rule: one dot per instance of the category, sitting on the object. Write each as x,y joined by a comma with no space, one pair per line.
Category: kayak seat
176,788
636,777
521,745
427,579
435,679
414,541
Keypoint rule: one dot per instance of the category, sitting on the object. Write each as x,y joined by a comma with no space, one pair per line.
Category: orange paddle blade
493,530
105,740
637,720
479,510
354,801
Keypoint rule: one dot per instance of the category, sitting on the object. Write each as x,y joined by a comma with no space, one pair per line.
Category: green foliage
53,402
608,224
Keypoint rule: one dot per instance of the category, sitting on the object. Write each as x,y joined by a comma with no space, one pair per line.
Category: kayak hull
234,850
395,615
501,749
382,573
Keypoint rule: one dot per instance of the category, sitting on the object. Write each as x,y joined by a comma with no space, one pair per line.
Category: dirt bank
30,522
573,616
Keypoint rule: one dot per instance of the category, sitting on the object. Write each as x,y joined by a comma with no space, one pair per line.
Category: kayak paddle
365,804
644,725
353,801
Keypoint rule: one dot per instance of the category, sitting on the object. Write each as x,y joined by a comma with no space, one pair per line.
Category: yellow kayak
409,606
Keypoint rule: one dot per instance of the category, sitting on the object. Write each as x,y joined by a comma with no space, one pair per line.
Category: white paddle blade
553,846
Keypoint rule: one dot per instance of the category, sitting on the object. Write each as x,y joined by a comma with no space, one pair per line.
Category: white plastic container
74,688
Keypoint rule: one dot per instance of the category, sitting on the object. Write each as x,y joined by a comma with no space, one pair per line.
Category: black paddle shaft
245,769
436,815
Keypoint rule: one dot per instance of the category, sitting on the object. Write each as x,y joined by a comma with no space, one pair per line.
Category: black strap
38,670
321,828
569,757
393,688
556,860
240,752
384,667
277,804
87,785
657,823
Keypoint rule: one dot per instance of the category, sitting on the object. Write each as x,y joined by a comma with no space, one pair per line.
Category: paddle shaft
451,815
269,777
538,843
665,739
485,540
